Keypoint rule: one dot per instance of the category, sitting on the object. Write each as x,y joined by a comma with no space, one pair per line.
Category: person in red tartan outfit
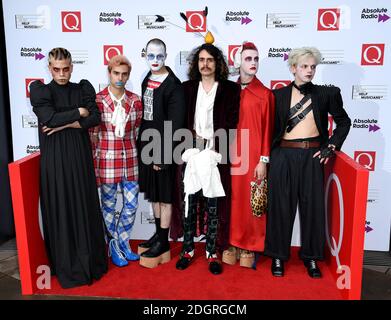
249,159
115,155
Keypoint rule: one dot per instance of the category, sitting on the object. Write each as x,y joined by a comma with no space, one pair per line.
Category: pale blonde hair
297,53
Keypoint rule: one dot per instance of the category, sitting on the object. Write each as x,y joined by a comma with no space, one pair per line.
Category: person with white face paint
301,146
163,101
115,155
247,231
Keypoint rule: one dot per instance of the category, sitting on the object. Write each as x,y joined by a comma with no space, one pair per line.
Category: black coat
325,100
225,117
168,105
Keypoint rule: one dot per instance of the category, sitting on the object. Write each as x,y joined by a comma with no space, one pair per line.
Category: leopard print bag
258,197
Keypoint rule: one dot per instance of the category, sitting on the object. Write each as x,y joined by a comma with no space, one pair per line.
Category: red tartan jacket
115,157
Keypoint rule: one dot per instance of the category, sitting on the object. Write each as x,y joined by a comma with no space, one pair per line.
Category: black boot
147,244
312,268
160,246
277,267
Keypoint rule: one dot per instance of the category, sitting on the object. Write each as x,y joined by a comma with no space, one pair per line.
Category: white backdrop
353,37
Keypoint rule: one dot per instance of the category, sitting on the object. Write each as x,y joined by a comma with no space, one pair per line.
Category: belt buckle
306,144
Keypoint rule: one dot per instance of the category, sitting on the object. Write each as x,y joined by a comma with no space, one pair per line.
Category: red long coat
113,155
256,114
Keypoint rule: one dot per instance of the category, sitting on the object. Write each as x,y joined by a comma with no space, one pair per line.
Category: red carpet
197,283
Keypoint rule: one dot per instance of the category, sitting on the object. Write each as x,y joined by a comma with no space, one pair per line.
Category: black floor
376,284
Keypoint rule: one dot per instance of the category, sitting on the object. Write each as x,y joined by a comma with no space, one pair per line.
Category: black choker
245,84
305,88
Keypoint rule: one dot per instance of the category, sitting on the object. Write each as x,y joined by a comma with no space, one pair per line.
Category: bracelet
264,159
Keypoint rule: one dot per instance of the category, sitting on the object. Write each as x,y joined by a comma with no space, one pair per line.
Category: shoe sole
140,250
154,262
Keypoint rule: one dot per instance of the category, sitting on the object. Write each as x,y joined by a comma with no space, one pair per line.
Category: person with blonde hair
301,146
115,154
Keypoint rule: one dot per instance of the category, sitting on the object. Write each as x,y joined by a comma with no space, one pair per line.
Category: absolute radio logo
110,51
238,16
372,54
277,84
28,82
375,14
279,53
33,52
366,159
367,227
71,21
369,92
369,125
232,49
196,21
329,19
31,149
111,17
282,20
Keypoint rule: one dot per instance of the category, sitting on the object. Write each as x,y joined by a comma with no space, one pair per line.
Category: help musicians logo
71,21
29,121
366,159
113,18
375,14
238,16
282,20
110,51
38,20
372,54
196,21
369,92
329,19
332,56
153,22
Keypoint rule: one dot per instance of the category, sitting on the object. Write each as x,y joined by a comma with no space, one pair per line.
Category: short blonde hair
298,53
119,60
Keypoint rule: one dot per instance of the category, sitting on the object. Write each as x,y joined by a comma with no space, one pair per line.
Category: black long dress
71,216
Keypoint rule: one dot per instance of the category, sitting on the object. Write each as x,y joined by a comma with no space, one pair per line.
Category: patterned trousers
189,224
119,224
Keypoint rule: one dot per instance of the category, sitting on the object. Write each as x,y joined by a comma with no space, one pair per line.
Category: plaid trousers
119,224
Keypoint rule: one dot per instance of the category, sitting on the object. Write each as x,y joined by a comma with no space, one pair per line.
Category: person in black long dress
72,222
163,103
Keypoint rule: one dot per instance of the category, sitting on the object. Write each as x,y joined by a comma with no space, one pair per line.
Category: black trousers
190,223
295,178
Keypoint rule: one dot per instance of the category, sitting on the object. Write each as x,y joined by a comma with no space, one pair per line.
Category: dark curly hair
221,64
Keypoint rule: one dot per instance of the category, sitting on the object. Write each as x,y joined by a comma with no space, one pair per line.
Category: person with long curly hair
212,108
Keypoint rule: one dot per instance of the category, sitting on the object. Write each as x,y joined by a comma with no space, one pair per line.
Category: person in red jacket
115,155
249,158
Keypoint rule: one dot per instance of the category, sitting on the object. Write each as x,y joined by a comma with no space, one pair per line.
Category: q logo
232,48
71,21
372,54
328,19
111,51
330,125
28,82
334,248
366,159
277,84
196,21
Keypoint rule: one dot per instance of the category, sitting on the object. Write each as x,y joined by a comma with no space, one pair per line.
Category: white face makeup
250,61
305,70
156,56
